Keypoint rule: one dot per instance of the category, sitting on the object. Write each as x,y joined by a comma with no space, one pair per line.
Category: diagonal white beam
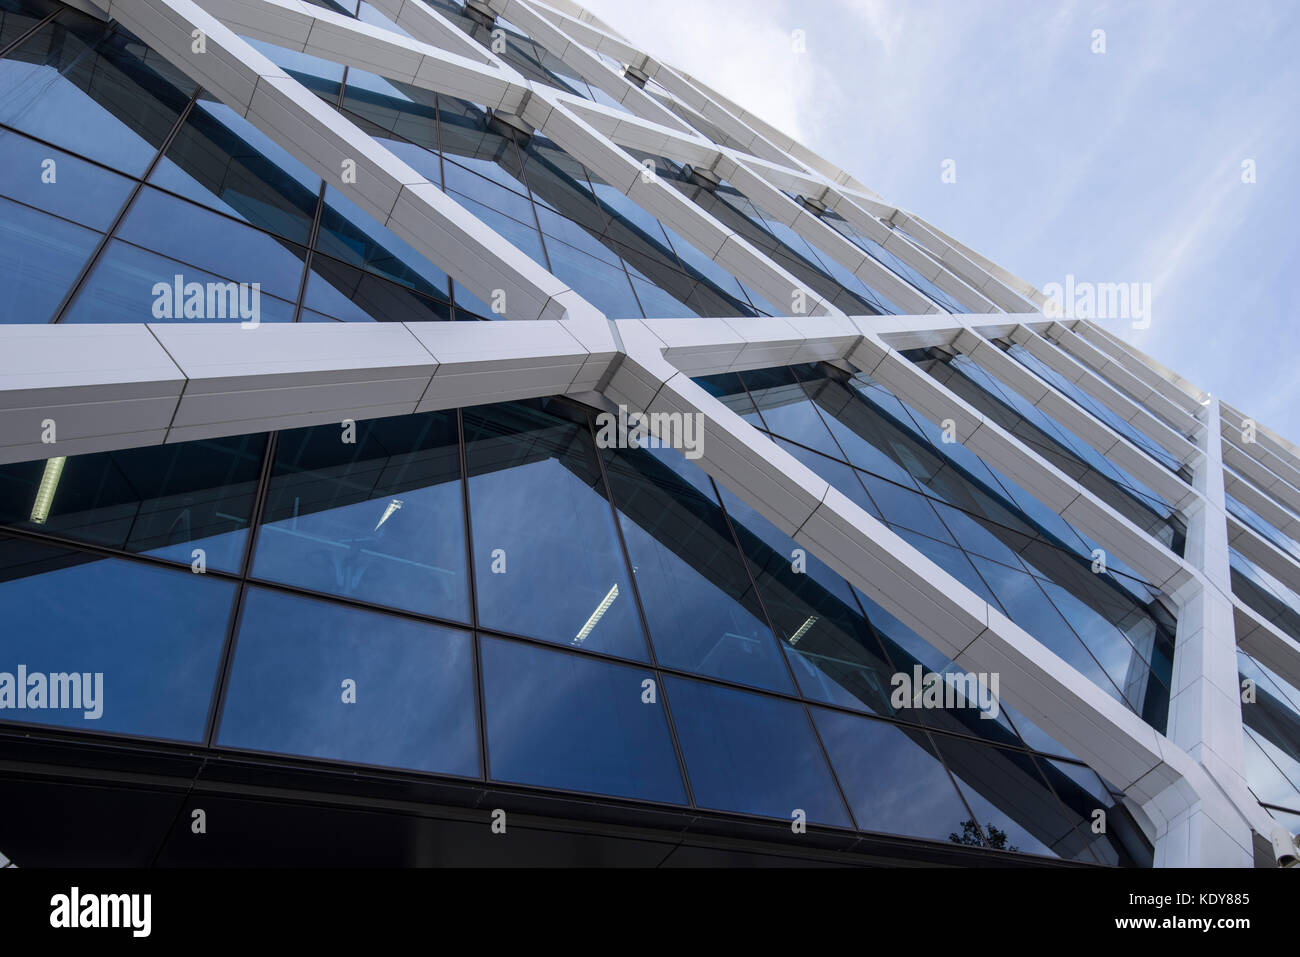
547,113
1266,437
388,189
1264,553
870,556
1077,505
1250,468
590,67
1097,434
1178,445
460,68
1169,384
1265,642
1169,412
124,385
1249,444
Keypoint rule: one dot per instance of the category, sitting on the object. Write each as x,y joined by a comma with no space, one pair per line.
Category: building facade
444,434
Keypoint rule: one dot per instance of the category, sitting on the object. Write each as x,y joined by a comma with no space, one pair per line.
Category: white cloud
748,58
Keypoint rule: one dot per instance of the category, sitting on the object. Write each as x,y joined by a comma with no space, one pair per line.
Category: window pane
546,557
570,721
699,602
40,257
322,680
155,636
752,753
1027,606
83,85
787,410
348,233
892,777
343,292
79,191
604,286
215,243
381,519
223,161
121,288
1011,801
19,16
163,500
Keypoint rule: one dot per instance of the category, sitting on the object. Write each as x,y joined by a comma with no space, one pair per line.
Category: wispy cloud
1122,166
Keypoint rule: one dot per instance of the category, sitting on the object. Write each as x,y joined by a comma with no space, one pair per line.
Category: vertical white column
1205,707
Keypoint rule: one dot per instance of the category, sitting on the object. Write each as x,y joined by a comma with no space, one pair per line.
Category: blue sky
1123,166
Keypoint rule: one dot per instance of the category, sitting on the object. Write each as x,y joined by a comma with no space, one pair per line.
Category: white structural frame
121,386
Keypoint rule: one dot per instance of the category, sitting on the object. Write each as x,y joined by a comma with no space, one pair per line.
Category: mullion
22,37
661,687
785,657
94,258
244,580
480,688
237,606
314,233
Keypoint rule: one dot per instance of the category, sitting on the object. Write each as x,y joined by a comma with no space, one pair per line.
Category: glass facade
777,241
998,402
1096,409
1272,600
1270,710
487,595
485,600
972,521
154,178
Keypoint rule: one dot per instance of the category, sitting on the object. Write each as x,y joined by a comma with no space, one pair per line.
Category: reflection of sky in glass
1012,554
381,520
892,780
560,550
414,704
156,635
752,753
568,721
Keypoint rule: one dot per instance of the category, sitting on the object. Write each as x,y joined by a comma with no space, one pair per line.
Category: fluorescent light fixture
393,506
803,630
603,607
45,492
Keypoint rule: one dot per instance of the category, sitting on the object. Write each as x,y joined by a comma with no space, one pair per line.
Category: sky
1117,166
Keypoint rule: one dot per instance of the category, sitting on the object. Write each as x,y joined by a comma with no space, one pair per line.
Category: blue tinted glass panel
569,721
547,561
605,286
154,635
752,753
85,86
325,681
381,519
221,160
1011,801
892,777
213,243
348,233
353,295
130,284
162,500
40,257
699,602
19,16
71,188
